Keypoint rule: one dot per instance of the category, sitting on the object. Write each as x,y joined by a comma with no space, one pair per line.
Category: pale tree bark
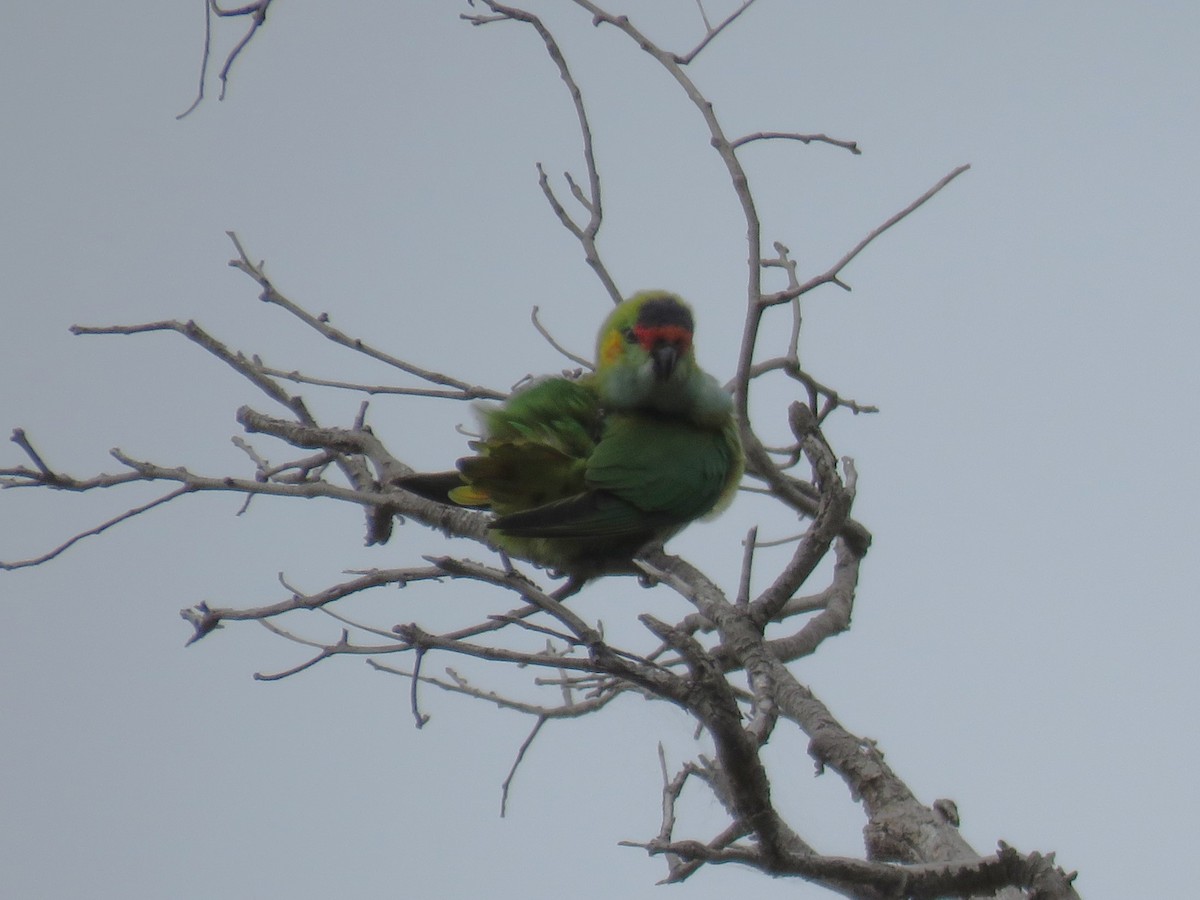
717,663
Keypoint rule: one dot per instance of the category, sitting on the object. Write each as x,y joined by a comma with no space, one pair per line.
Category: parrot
583,473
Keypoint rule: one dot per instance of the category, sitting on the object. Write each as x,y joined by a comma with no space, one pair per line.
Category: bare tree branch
592,202
257,12
99,529
512,773
321,325
852,146
205,618
830,275
585,363
712,31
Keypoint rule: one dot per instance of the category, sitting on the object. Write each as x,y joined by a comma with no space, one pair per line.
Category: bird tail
441,487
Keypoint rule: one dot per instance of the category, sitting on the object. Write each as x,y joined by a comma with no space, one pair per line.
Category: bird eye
629,335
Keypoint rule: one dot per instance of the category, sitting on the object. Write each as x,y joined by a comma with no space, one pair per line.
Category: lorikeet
582,474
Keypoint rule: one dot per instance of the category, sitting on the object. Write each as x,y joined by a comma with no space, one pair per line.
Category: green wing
663,466
534,448
532,451
645,475
555,412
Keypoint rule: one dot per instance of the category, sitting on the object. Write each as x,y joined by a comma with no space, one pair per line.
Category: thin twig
593,201
258,12
512,772
852,146
711,32
575,358
748,546
326,651
830,275
99,529
50,477
472,392
205,618
421,719
321,324
203,60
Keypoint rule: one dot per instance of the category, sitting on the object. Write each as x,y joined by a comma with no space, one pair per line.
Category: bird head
644,355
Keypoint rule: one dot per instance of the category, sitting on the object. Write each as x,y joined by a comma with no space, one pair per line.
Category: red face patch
651,336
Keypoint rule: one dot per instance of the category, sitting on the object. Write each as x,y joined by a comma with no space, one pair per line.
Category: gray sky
1023,636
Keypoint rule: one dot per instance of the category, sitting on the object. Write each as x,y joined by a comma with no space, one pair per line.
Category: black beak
664,357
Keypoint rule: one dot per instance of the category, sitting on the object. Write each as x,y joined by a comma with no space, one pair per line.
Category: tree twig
541,329
257,12
830,275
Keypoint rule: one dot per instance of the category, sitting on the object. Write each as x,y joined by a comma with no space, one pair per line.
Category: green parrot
582,474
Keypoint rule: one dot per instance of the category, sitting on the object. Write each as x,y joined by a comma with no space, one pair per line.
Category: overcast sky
1024,636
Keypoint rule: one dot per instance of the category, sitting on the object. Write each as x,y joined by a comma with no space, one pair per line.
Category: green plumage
582,474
